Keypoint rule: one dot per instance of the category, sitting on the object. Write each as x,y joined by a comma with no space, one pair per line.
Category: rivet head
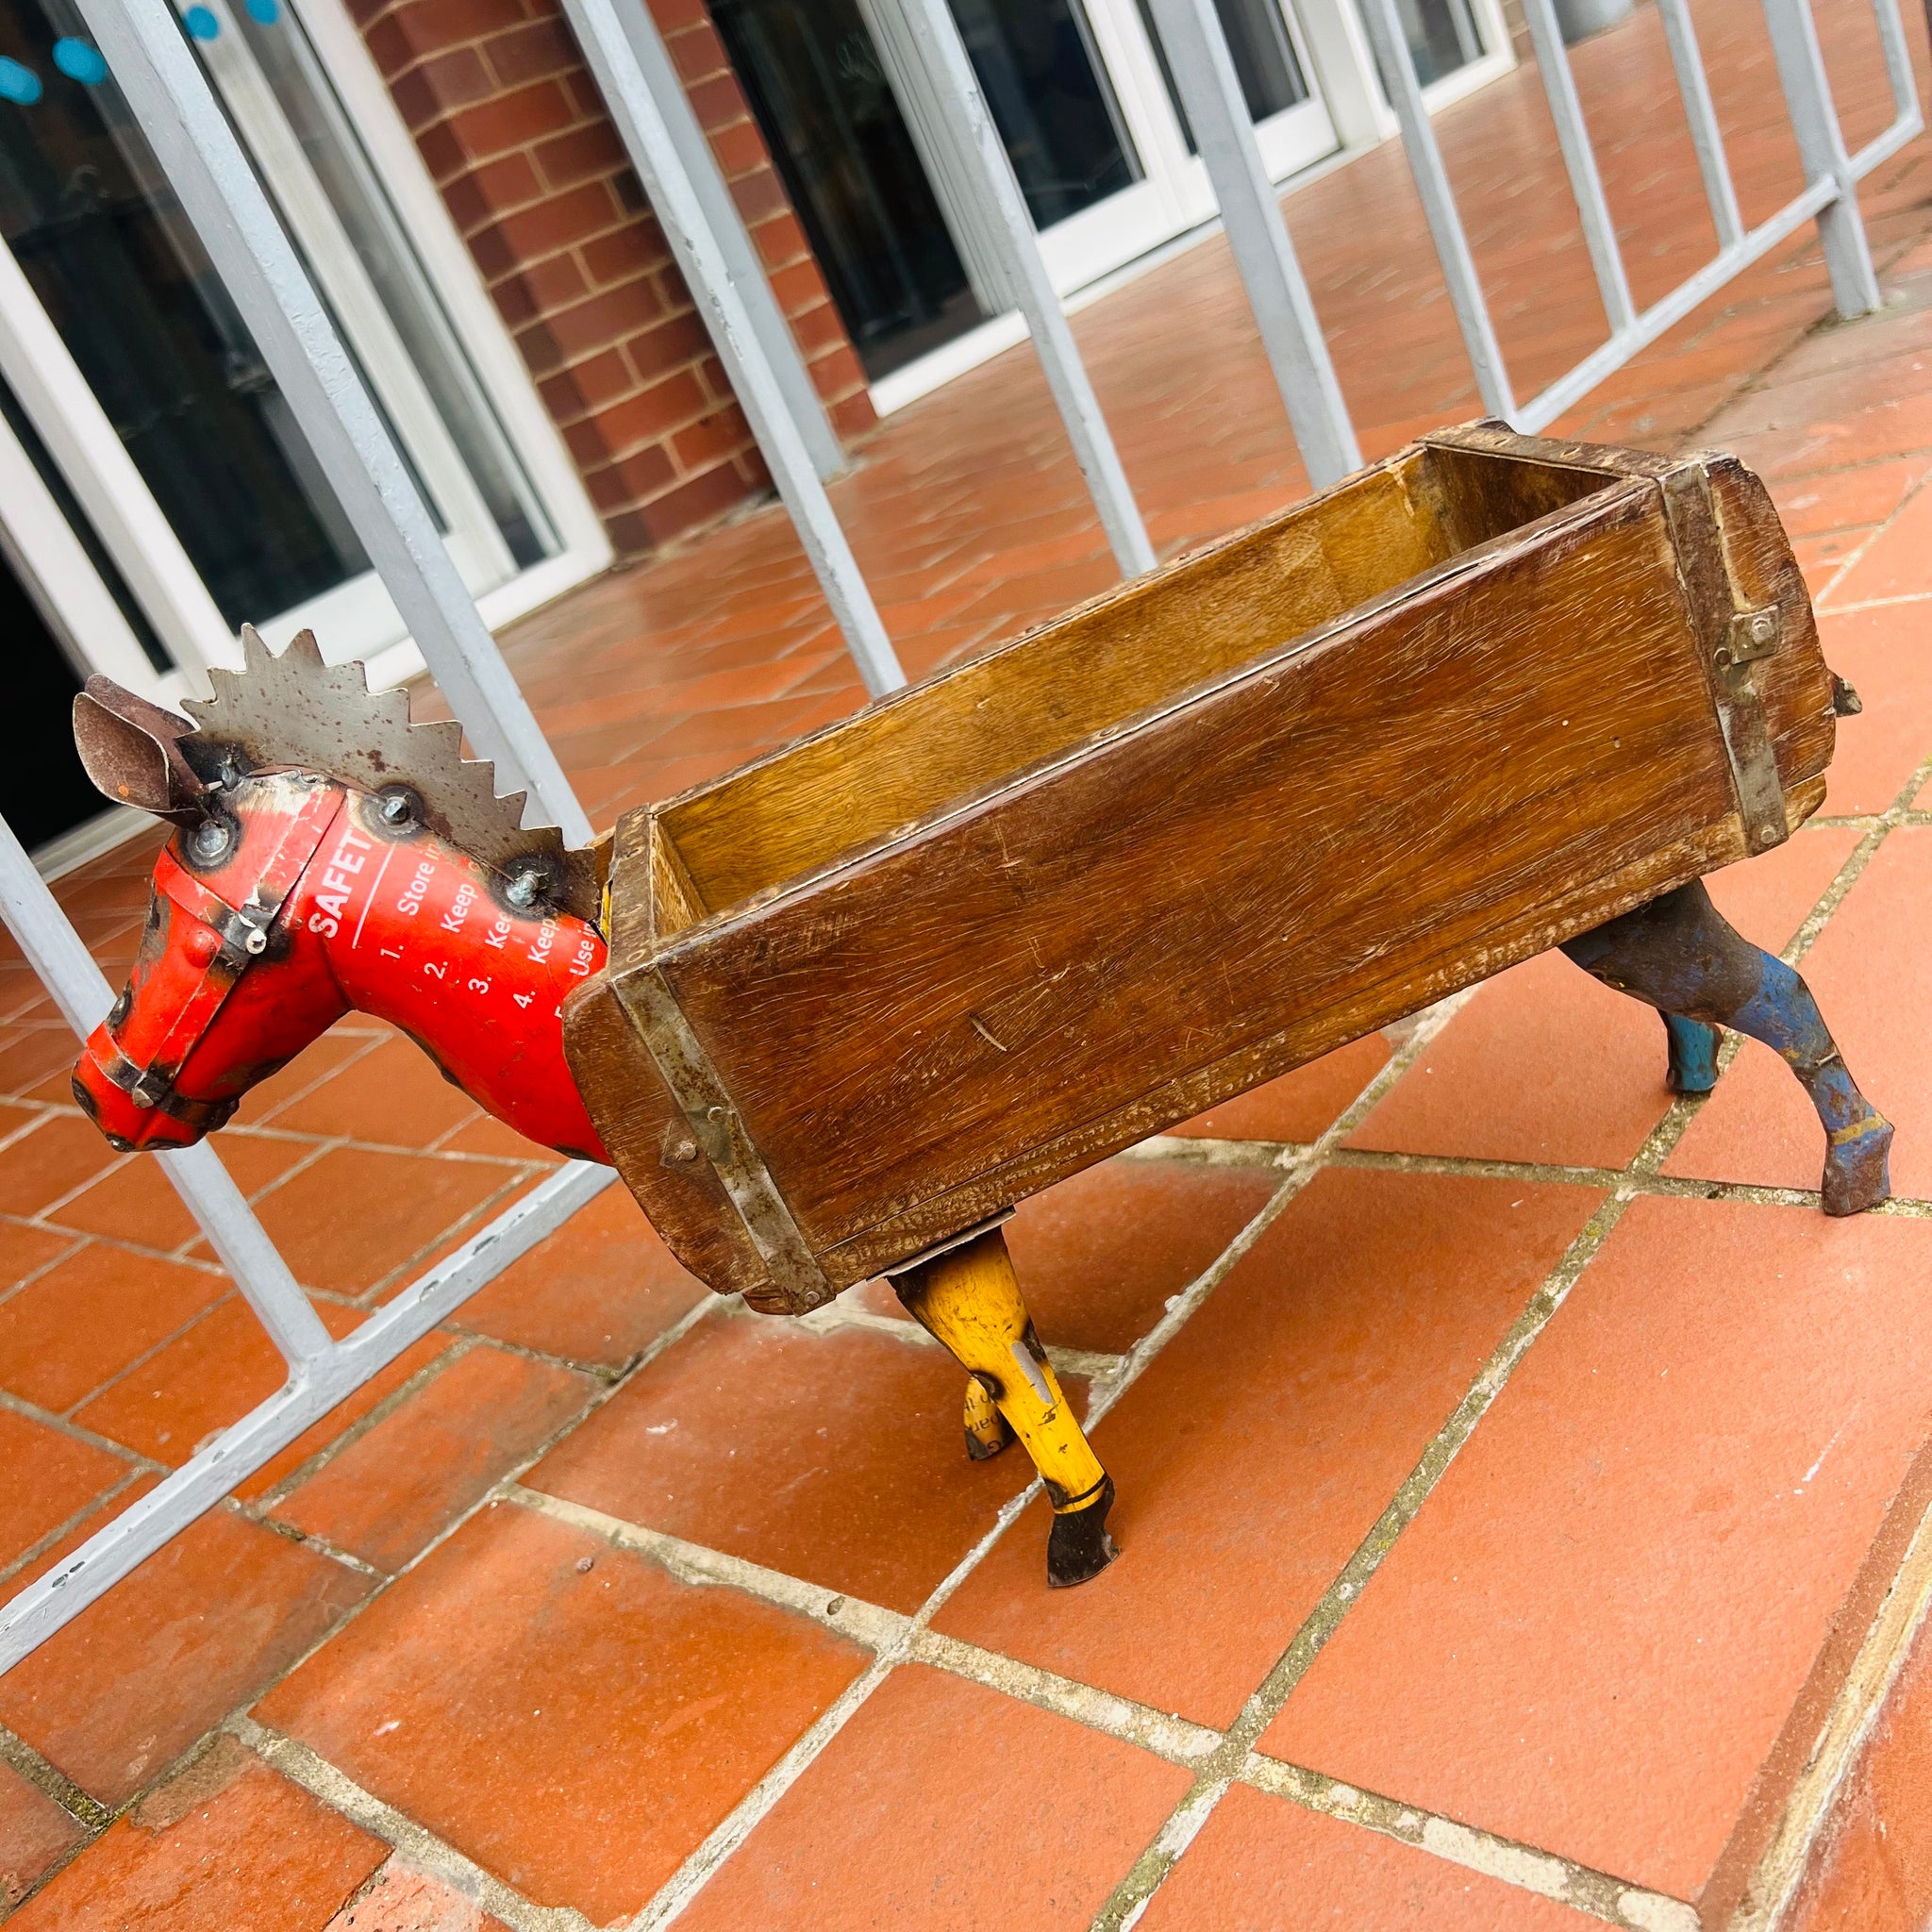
257,941
211,840
523,887
1767,833
394,809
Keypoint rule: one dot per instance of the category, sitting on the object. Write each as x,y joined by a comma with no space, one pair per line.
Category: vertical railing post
681,214
177,110
1439,205
957,97
1579,159
1210,90
1707,139
1821,150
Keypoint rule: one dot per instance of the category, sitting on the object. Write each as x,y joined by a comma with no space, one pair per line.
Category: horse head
328,855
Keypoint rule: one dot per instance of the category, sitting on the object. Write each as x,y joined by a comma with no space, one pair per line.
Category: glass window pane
1264,60
829,117
1441,36
1044,81
113,261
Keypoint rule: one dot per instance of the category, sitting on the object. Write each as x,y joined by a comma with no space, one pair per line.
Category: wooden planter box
880,985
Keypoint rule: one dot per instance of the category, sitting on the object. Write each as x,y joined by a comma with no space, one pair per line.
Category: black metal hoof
1078,1548
1857,1172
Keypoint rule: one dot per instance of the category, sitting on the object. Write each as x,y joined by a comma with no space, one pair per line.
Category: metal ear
129,748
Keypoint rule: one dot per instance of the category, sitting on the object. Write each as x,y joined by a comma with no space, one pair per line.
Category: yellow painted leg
969,1299
986,1432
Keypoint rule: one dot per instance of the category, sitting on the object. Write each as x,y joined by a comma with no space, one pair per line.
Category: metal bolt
394,809
524,889
211,841
257,941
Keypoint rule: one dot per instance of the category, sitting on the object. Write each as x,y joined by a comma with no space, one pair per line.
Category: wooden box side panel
956,735
1322,832
637,1121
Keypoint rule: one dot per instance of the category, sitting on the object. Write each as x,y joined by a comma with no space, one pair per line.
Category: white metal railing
211,175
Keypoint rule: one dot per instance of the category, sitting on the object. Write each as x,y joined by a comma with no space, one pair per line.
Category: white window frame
129,523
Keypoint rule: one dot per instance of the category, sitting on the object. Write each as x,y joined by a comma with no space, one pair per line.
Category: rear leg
1682,956
1693,1054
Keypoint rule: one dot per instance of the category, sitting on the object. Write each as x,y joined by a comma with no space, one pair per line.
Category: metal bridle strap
242,932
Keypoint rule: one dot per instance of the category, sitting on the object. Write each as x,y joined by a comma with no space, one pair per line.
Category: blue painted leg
1693,1054
1682,956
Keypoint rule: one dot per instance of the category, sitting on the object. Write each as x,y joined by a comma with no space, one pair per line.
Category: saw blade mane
291,711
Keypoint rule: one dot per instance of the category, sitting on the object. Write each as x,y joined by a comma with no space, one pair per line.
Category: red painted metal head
289,895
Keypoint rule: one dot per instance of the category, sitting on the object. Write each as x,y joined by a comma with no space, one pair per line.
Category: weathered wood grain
1204,828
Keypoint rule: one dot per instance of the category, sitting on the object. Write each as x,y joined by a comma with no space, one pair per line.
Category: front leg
969,1298
1683,956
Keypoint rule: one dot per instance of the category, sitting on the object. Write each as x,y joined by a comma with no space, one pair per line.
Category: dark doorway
43,792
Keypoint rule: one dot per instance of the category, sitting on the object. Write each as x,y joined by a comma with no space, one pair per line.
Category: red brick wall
510,126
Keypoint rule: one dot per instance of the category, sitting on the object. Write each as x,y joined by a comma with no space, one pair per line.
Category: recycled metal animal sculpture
832,1015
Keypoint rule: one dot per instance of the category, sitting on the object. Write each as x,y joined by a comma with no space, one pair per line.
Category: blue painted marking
266,12
79,62
18,84
201,22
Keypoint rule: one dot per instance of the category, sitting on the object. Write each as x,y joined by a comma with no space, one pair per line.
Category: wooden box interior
959,735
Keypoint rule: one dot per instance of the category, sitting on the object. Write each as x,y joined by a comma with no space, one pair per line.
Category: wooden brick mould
510,125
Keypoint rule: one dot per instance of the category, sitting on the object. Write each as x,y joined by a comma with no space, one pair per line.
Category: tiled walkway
1513,1459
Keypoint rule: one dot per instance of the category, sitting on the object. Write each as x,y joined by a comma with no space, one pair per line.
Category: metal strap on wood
715,1126
1731,640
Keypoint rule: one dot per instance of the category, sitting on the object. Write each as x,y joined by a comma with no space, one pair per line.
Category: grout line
296,1762
1523,1866
53,1782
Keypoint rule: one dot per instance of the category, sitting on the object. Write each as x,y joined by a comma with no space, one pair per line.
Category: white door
140,395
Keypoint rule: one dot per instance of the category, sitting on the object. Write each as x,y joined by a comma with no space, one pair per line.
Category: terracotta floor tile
1547,1064
576,1730
1872,976
1099,1255
1846,499
1882,653
352,1409
1300,1106
483,1133
837,1457
356,1216
1895,563
947,1807
134,1202
1542,1064
1260,1446
199,1628
229,1844
25,1251
63,1153
1590,1636
314,1063
393,1096
84,1320
34,1832
403,1898
385,1495
37,1059
50,1476
1261,1863
599,1290
210,1374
